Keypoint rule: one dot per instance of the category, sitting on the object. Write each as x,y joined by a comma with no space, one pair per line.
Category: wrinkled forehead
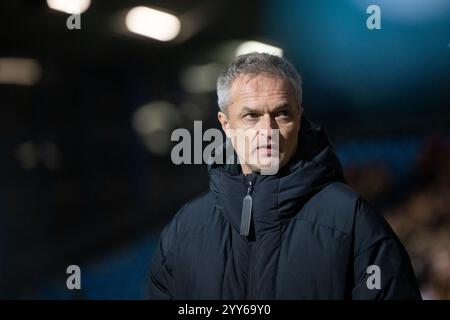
262,86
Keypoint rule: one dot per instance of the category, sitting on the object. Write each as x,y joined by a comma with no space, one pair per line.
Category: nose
268,123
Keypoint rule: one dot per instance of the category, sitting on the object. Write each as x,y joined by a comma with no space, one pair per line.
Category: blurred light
252,46
153,23
51,156
19,71
158,142
155,116
27,154
154,122
201,78
69,6
192,111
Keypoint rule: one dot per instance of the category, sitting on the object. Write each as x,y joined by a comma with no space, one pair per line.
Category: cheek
234,122
288,131
288,136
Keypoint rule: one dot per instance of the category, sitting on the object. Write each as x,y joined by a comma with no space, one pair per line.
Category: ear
223,119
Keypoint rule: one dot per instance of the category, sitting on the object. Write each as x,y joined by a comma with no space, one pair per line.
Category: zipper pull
246,211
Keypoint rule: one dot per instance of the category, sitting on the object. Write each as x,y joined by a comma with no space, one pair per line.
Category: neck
246,169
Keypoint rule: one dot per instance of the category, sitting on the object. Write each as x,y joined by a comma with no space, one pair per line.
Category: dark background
80,185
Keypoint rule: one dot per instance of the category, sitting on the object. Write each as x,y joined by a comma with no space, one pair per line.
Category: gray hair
255,63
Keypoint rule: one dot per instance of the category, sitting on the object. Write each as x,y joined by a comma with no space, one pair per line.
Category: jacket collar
277,197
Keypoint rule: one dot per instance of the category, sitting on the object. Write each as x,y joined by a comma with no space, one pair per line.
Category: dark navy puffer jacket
311,237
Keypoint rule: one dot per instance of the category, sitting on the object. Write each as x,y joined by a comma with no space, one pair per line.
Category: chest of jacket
298,260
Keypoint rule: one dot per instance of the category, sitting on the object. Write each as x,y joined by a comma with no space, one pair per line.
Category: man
298,233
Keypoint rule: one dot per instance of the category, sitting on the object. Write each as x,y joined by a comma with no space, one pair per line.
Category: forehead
261,86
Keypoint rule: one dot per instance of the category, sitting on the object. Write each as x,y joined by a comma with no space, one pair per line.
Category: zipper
250,272
246,215
246,219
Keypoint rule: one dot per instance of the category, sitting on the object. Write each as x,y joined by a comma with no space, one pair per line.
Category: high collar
277,197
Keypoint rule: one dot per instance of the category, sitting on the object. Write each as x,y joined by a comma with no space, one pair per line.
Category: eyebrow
247,109
279,108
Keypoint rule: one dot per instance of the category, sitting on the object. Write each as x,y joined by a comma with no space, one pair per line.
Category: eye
283,114
250,116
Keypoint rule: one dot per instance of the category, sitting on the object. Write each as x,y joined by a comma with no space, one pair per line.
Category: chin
267,165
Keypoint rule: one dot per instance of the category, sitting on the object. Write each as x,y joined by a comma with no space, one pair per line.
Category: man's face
263,121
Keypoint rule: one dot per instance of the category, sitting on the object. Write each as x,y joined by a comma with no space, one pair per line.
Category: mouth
267,149
266,146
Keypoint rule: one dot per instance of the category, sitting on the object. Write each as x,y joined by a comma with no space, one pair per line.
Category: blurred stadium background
86,116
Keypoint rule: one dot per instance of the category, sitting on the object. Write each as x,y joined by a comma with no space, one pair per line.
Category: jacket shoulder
335,206
195,212
339,207
191,215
